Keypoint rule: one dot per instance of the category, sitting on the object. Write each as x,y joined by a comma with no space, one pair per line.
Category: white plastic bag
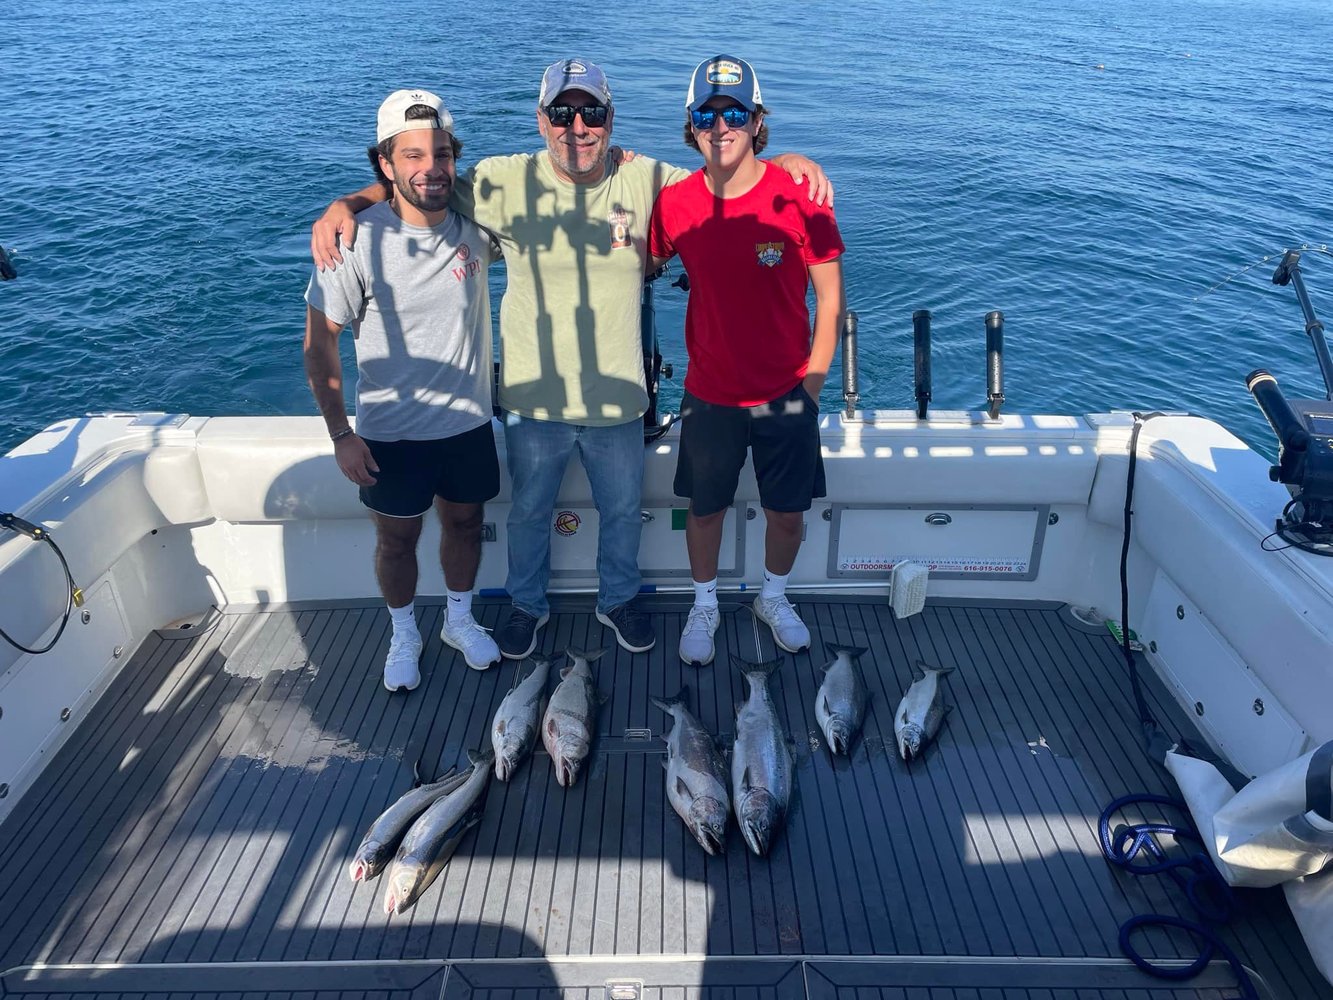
1277,830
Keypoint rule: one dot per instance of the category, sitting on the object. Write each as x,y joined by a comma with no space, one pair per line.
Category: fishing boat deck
192,836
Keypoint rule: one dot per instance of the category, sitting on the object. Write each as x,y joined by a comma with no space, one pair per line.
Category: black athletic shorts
460,469
783,436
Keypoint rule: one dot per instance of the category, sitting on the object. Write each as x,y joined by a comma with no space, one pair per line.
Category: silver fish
571,716
921,712
696,775
381,840
840,704
514,729
761,765
434,837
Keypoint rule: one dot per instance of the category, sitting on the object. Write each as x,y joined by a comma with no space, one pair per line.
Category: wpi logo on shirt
469,266
770,254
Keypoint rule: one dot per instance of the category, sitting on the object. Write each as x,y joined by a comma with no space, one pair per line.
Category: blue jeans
537,453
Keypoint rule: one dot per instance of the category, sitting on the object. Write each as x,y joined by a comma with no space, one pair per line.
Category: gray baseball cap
574,74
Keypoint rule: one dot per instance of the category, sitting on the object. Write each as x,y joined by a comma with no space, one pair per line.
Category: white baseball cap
393,114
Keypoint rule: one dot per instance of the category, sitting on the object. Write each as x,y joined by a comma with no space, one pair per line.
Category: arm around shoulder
338,224
802,169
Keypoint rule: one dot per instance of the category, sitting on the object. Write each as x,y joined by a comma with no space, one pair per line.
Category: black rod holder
850,391
1289,272
994,363
921,360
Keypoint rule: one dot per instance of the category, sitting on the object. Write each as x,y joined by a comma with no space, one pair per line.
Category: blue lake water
1104,173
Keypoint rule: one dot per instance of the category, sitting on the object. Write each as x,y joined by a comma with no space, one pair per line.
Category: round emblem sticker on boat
567,522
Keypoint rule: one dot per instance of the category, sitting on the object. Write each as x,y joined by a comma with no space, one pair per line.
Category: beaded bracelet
339,435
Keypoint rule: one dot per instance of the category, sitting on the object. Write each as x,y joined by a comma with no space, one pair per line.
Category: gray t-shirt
420,312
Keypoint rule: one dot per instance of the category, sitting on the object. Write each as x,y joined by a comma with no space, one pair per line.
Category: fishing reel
1304,429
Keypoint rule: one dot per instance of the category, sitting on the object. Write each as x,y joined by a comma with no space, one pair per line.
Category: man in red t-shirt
751,241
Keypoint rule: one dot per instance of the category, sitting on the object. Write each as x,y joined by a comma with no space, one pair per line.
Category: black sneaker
633,629
517,637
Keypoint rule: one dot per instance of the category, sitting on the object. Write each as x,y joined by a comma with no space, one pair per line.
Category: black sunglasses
562,115
704,118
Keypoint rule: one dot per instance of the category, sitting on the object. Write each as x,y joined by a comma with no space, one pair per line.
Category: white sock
404,619
705,594
460,604
774,585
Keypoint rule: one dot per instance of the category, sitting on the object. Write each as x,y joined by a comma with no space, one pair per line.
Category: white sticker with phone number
882,564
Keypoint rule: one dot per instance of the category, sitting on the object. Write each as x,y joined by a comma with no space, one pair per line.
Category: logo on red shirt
770,254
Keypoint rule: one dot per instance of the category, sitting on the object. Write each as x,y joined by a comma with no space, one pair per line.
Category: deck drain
624,989
639,735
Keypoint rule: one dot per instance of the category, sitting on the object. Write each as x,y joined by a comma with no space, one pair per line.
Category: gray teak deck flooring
196,829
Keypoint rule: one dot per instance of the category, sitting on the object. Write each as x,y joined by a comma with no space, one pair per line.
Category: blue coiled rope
1136,849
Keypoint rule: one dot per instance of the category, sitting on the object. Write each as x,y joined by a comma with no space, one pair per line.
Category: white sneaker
401,672
474,642
789,631
696,639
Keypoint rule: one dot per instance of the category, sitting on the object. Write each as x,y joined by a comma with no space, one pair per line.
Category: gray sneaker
696,639
789,632
632,628
518,635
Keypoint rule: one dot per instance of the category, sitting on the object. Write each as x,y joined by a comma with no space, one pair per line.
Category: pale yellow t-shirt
570,342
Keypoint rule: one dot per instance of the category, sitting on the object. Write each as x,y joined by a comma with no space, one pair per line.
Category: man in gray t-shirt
415,295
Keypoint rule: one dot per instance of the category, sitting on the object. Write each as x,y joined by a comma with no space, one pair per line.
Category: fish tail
835,648
585,654
418,780
481,757
926,668
679,699
759,673
765,667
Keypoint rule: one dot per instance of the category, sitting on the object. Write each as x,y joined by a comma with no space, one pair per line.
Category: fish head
509,751
838,731
708,823
569,754
909,742
370,859
758,817
404,884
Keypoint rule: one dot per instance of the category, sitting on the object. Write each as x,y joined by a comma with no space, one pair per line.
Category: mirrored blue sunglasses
704,118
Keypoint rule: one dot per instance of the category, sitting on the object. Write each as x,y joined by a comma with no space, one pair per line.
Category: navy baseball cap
574,74
724,76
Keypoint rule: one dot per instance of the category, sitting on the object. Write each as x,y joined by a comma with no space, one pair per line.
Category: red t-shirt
747,328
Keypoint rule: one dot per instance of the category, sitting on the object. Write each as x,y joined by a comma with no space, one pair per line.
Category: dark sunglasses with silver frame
562,115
